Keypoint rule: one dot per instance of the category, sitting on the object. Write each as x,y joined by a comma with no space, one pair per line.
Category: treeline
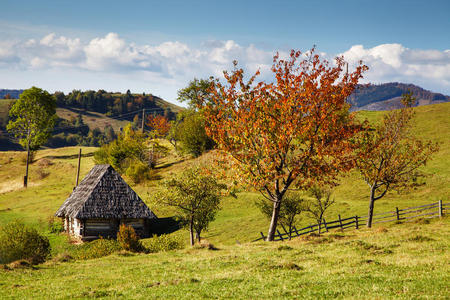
75,132
367,94
111,104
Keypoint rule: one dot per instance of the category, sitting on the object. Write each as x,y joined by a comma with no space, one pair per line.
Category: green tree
32,118
196,197
128,147
321,202
388,156
197,93
293,205
192,134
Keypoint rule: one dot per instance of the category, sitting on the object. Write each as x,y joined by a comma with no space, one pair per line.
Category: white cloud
394,62
170,65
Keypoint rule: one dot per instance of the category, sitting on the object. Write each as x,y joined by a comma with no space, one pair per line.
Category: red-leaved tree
292,132
160,125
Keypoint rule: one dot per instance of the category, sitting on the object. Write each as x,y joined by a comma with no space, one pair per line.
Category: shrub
128,239
96,249
163,243
203,244
41,174
44,162
18,241
54,225
138,171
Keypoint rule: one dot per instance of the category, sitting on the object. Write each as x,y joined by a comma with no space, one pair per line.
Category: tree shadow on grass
68,156
166,165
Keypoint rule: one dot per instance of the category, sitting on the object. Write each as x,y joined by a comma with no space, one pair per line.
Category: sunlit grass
401,261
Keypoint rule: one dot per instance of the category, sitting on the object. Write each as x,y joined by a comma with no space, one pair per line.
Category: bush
138,171
18,241
128,239
41,173
44,162
163,243
55,225
96,249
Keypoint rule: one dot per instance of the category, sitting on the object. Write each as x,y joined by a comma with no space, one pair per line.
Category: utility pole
25,178
143,119
78,169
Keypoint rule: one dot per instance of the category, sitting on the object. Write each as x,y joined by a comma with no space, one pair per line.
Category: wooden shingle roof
104,194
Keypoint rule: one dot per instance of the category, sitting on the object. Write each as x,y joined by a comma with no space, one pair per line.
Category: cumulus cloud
394,62
174,63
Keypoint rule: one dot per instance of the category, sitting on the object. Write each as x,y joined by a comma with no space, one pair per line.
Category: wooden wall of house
106,228
109,227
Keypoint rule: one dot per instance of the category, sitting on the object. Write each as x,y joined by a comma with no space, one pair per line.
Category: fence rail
356,221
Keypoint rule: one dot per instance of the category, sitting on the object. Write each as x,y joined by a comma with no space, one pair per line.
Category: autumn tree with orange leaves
160,125
291,133
388,156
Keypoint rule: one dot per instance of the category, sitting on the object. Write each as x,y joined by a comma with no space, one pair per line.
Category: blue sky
158,46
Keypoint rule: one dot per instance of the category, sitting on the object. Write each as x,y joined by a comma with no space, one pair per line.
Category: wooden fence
432,210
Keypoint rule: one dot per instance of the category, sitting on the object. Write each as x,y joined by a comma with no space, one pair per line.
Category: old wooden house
100,203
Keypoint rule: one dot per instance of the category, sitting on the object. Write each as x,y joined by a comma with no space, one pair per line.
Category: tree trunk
197,236
371,205
320,223
191,230
25,179
274,220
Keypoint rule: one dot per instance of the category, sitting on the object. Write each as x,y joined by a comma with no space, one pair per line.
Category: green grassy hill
239,218
393,261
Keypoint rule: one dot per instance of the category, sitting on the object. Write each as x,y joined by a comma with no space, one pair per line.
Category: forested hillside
91,118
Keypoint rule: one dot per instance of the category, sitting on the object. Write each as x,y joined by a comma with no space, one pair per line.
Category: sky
159,46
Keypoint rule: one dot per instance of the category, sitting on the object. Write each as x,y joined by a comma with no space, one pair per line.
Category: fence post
325,223
440,209
356,223
340,221
397,212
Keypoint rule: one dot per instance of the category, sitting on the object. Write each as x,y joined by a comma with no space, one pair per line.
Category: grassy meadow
407,260
398,261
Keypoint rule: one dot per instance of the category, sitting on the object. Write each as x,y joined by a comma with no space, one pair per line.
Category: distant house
100,203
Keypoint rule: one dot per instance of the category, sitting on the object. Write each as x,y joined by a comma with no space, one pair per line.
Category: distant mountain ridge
387,96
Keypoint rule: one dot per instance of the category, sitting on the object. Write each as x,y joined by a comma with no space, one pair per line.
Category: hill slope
239,218
387,96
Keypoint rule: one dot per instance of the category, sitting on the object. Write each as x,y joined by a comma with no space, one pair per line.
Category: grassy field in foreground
399,261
